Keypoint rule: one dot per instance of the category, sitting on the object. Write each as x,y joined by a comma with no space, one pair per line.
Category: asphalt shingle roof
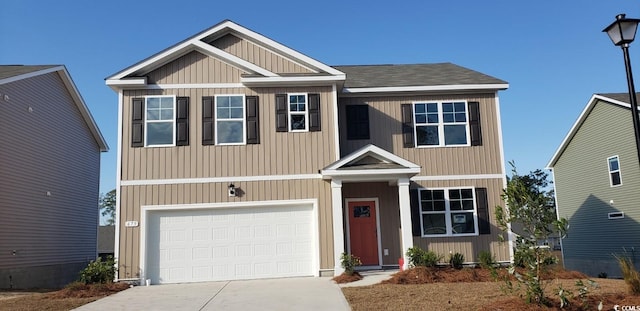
365,76
8,71
623,97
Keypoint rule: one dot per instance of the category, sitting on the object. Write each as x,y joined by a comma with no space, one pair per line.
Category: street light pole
622,32
632,97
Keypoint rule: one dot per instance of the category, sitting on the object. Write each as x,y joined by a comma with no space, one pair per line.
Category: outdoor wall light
622,32
232,190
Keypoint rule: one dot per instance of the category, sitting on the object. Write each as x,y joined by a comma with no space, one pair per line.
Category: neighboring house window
357,122
230,119
614,171
448,212
441,124
160,121
299,112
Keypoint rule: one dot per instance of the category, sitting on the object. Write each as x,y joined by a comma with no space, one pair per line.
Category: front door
363,232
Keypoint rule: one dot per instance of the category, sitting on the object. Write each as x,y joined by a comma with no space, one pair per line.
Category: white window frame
146,129
441,124
447,213
244,119
611,172
292,113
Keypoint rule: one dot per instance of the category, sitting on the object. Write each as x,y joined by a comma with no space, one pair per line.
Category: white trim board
451,87
458,177
144,182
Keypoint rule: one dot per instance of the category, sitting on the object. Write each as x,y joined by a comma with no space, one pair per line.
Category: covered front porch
371,206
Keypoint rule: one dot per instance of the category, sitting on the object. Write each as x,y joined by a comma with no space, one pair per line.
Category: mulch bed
81,290
346,278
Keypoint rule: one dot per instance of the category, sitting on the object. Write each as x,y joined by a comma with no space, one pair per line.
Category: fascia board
425,88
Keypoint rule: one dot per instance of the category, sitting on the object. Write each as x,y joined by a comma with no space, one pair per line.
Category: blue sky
553,53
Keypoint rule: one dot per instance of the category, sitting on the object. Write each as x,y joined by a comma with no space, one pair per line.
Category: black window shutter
474,124
484,223
137,122
208,123
357,122
314,112
182,121
407,125
415,213
281,113
253,124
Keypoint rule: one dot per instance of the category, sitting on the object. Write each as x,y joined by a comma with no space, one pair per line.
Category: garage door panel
225,244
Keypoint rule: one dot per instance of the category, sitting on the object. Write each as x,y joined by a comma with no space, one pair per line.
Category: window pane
432,107
223,101
236,113
427,135
455,134
438,194
235,101
447,107
460,107
448,117
160,133
421,118
467,205
223,112
466,193
153,114
230,132
615,178
439,206
297,122
153,102
462,223
461,117
166,102
425,194
420,108
434,224
432,118
426,206
455,205
166,114
613,164
454,194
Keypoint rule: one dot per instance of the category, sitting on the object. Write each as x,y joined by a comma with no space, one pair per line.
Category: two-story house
241,158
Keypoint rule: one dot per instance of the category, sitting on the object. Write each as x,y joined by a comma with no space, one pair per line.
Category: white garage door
229,244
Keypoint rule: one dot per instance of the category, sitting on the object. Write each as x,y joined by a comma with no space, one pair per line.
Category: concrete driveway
273,294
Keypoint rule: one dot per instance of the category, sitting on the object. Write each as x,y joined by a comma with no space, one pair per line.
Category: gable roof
371,163
131,76
416,77
617,99
11,73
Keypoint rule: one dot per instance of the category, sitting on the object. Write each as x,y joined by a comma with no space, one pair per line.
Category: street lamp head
623,30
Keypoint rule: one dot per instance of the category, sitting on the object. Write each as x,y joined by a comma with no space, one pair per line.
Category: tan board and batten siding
47,148
584,194
258,55
386,132
277,154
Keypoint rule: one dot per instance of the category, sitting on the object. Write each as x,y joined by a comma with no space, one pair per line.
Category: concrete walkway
309,293
371,278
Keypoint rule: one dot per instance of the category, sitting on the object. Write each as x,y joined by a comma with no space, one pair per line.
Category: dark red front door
363,232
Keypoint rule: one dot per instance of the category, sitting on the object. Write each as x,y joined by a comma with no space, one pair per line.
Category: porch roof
370,163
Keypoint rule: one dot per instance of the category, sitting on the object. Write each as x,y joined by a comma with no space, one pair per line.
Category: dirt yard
70,297
475,289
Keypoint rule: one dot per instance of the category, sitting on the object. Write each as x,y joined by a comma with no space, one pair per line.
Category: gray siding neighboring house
604,218
49,178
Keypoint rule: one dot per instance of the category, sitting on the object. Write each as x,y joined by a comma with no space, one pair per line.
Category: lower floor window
448,212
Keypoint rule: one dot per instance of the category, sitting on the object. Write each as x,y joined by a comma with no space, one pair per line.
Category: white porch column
338,231
405,218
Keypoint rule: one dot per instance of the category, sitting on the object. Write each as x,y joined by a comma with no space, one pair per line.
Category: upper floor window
160,121
441,124
357,122
230,119
448,212
298,112
614,171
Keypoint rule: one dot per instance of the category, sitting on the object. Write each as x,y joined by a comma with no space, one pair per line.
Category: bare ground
476,289
70,297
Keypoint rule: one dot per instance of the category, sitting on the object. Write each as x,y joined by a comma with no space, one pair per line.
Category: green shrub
456,260
98,271
630,274
349,263
486,260
420,257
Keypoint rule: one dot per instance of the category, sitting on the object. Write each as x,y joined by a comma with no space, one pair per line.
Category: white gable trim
585,112
375,152
195,42
243,64
306,80
425,88
31,74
